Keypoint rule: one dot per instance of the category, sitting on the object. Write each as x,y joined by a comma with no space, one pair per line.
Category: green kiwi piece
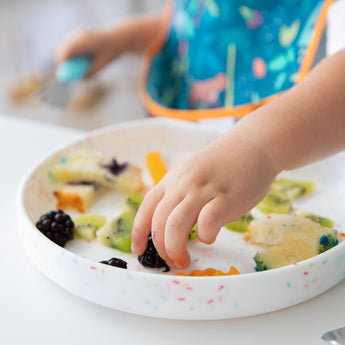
192,234
274,203
132,203
325,222
241,224
117,233
85,226
292,189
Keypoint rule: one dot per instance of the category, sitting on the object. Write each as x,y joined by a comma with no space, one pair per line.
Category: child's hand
213,188
101,46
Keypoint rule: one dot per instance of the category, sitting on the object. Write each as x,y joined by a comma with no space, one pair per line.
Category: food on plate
85,166
116,262
132,203
57,226
209,272
83,176
241,224
289,239
193,233
117,233
156,166
281,194
77,196
150,258
86,225
293,189
275,203
315,218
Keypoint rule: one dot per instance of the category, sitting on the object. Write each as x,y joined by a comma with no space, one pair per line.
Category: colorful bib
226,57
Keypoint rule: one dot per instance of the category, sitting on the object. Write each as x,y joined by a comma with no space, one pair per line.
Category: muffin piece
79,197
289,239
94,168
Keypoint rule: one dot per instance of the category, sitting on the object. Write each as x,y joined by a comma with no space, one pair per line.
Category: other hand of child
101,46
213,188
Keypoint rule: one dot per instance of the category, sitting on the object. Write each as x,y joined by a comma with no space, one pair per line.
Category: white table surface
33,310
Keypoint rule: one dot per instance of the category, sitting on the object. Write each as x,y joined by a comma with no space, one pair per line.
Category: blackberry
115,262
151,258
57,226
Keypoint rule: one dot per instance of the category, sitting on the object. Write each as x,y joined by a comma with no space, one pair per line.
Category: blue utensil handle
73,69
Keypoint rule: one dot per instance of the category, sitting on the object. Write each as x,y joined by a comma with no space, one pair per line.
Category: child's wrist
135,34
268,157
117,38
256,146
123,37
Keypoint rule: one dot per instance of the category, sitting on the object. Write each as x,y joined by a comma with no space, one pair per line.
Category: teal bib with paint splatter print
228,53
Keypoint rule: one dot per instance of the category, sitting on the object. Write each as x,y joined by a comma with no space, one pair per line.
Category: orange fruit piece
210,272
156,166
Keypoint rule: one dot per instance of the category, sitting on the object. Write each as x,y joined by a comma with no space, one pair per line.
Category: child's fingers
82,43
160,216
142,222
211,218
97,64
180,222
97,61
75,44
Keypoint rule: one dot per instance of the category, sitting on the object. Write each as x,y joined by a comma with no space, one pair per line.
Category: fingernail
134,248
179,265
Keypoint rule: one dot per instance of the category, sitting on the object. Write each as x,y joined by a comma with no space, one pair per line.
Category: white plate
149,292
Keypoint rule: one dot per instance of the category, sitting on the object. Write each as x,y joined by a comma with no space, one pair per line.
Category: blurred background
30,31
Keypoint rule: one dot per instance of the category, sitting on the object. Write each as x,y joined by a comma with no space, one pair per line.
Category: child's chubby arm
133,35
231,175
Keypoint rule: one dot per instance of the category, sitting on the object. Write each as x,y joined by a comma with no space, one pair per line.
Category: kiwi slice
117,233
241,224
281,194
133,202
85,226
192,234
325,222
292,189
275,203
